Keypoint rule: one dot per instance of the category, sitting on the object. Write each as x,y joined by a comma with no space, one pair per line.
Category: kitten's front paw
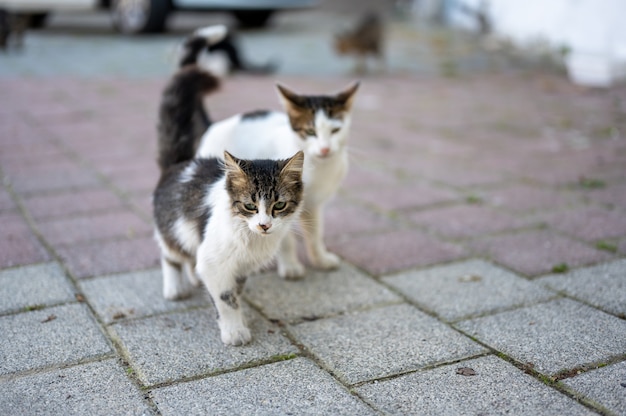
326,261
236,335
291,270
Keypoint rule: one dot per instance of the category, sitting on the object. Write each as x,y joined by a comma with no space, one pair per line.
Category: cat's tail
182,118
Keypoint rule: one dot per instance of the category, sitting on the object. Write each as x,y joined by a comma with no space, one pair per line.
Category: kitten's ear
288,98
292,171
346,97
234,174
231,163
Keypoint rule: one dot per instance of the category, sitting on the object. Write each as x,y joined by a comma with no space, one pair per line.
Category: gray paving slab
497,388
605,386
185,344
318,294
603,286
382,342
467,289
33,286
555,336
133,295
99,388
51,336
290,387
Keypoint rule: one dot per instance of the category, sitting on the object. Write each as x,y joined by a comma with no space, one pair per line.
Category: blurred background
582,39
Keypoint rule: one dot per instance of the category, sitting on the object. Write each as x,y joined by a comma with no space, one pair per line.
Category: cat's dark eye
309,132
335,130
250,207
280,205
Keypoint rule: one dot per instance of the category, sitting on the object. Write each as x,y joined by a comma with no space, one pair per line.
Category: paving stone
589,223
185,344
537,252
318,294
33,286
468,288
89,201
295,386
528,198
99,388
603,286
497,388
40,180
621,246
80,229
57,335
552,337
463,221
392,251
611,195
107,257
382,342
7,205
134,295
18,244
606,386
363,177
343,218
399,197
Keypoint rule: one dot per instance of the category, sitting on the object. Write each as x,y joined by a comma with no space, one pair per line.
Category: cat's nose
324,151
265,227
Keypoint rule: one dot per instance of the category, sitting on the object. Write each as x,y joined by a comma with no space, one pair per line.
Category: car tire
252,18
139,16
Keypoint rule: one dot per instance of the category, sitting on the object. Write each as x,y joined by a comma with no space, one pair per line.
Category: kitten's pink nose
265,227
324,151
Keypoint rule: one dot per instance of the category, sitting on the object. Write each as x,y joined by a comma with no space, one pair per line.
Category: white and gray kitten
217,220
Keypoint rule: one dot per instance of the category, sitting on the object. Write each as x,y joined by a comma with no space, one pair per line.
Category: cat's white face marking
329,136
264,223
261,223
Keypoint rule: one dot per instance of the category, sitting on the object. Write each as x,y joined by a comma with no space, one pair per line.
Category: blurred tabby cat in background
364,40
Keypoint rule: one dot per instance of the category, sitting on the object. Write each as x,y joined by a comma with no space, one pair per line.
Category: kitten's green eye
280,205
250,207
335,130
309,132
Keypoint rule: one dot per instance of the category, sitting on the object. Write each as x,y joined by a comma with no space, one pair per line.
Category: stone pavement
482,227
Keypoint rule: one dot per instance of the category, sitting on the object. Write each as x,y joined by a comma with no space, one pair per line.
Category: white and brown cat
317,125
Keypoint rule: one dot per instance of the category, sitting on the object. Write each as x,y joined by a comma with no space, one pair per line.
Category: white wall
594,31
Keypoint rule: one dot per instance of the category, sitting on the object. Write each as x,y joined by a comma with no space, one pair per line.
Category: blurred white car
143,16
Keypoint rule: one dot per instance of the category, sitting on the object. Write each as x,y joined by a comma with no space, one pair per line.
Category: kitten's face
321,121
265,194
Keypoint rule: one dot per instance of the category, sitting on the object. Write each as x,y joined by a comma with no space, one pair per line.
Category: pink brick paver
537,252
18,244
387,252
589,223
107,257
87,201
81,229
466,221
